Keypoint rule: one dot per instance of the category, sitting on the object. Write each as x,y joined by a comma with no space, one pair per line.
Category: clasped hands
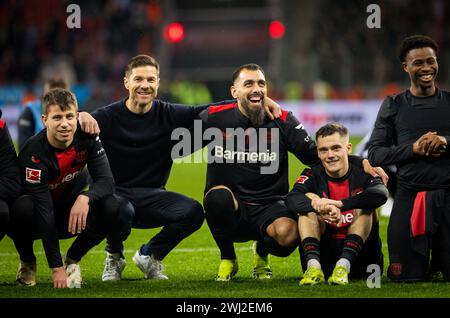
430,144
328,210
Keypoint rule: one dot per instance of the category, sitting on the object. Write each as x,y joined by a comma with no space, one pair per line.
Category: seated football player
336,203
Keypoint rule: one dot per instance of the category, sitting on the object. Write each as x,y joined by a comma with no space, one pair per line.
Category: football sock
271,246
352,247
261,250
344,262
220,216
311,250
313,263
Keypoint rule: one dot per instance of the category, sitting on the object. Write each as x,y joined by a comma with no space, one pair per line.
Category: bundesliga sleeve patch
302,179
33,175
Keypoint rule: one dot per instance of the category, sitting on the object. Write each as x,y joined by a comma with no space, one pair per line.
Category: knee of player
125,211
219,200
286,233
109,207
22,209
195,214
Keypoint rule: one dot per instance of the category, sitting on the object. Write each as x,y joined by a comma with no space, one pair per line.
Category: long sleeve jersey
401,120
240,167
356,190
49,175
139,145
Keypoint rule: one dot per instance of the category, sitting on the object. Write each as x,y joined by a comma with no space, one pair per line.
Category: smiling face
249,89
422,66
142,85
61,125
333,151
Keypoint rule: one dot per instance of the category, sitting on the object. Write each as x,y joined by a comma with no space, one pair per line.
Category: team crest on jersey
302,179
33,175
356,191
81,156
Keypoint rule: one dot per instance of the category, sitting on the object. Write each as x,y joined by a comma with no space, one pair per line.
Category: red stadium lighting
276,29
174,32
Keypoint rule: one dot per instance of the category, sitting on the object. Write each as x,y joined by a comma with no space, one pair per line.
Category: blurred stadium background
321,59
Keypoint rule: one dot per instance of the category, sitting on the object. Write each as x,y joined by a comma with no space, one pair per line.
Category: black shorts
252,220
331,249
409,257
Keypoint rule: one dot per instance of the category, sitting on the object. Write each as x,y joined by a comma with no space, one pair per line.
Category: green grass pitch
192,265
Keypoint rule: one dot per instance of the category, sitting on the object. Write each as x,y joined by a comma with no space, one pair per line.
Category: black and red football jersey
356,190
256,167
49,174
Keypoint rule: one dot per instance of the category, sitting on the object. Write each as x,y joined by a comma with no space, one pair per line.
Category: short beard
256,116
141,105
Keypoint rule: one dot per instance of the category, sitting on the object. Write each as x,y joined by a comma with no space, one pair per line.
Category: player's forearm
382,156
370,198
383,149
103,184
299,203
46,224
50,241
